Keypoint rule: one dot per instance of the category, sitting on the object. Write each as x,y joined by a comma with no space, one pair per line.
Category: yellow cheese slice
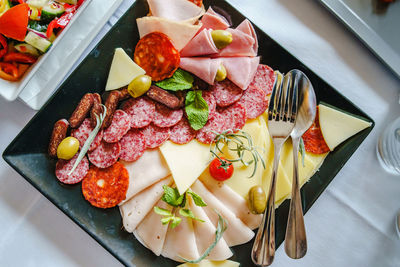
208,263
337,126
123,70
186,162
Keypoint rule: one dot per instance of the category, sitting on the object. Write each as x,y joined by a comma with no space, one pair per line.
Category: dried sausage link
81,110
59,133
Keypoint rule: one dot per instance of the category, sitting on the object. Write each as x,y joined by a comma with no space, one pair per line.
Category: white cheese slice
208,263
337,126
186,162
123,70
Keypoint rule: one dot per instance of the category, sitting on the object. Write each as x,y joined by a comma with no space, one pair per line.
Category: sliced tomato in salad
14,22
19,58
3,46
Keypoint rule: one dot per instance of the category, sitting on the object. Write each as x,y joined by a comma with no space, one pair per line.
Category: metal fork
281,119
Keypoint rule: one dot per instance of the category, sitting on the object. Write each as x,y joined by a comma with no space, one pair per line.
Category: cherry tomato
221,170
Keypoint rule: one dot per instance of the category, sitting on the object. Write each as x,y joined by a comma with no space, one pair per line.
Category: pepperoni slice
156,54
211,102
264,78
206,135
105,154
133,144
154,136
234,116
314,141
255,101
120,125
141,111
226,93
106,188
63,167
82,134
166,117
182,133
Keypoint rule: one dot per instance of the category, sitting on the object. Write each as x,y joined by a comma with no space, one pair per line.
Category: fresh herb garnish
197,199
89,140
221,227
180,80
240,143
189,214
302,150
172,197
196,109
168,217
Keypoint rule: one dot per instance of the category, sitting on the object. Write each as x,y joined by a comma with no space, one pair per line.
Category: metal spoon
295,239
398,224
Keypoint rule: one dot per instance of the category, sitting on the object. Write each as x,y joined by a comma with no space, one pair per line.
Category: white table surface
351,224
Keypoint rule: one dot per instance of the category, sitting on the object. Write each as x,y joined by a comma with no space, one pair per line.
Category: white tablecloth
351,224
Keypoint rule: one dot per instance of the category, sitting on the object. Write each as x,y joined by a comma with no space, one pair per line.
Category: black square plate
28,151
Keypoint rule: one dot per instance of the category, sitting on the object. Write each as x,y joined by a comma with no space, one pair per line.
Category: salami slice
182,133
156,54
120,125
63,167
82,134
255,101
314,141
264,78
226,93
155,136
206,135
106,188
141,110
212,104
234,116
166,117
133,144
105,154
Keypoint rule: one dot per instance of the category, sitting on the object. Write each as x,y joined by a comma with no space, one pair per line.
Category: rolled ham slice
212,20
177,10
241,70
179,32
151,232
134,210
147,170
205,235
202,44
181,241
247,28
241,46
237,232
204,68
235,202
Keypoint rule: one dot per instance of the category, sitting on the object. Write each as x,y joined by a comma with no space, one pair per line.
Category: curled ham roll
204,68
202,44
241,46
212,20
241,70
247,28
176,10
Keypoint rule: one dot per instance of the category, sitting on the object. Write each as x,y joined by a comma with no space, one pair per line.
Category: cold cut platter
157,144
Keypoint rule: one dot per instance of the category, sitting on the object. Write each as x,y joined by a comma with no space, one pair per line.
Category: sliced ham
177,10
151,232
212,20
247,28
202,44
179,32
147,170
235,202
237,232
241,46
241,70
134,210
205,235
181,241
204,68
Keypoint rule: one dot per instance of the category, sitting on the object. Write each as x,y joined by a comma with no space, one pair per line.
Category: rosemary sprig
239,142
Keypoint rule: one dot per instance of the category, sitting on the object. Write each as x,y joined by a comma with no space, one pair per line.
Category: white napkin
67,52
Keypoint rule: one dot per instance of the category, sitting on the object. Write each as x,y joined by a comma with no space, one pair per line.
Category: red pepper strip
80,2
4,46
9,72
70,8
19,57
63,21
51,27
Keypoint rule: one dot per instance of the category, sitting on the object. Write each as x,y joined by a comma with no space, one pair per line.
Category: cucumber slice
38,42
37,3
27,49
50,11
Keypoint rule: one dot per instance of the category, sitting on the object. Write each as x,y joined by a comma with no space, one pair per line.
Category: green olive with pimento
221,38
257,199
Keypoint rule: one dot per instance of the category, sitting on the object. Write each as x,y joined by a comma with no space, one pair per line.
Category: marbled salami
211,102
141,110
166,117
182,133
105,154
234,116
82,134
133,144
155,136
264,78
63,167
120,125
226,93
216,123
255,101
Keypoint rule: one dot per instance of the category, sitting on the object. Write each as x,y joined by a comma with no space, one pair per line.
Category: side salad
28,29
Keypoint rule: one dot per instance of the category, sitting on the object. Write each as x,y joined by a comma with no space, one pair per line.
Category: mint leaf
172,196
181,80
175,222
162,211
196,109
197,199
189,214
302,150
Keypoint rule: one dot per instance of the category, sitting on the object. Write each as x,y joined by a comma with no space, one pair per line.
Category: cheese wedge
208,263
337,126
186,162
123,70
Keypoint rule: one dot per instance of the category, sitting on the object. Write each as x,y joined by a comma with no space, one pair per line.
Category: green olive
68,148
257,199
139,86
221,73
221,38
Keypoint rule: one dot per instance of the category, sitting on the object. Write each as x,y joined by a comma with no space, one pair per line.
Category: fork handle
295,238
263,251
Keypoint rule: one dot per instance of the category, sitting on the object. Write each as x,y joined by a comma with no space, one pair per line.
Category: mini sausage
111,105
124,94
96,109
59,133
81,110
163,97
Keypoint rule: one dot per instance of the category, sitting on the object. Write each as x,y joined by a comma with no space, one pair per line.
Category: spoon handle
295,239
